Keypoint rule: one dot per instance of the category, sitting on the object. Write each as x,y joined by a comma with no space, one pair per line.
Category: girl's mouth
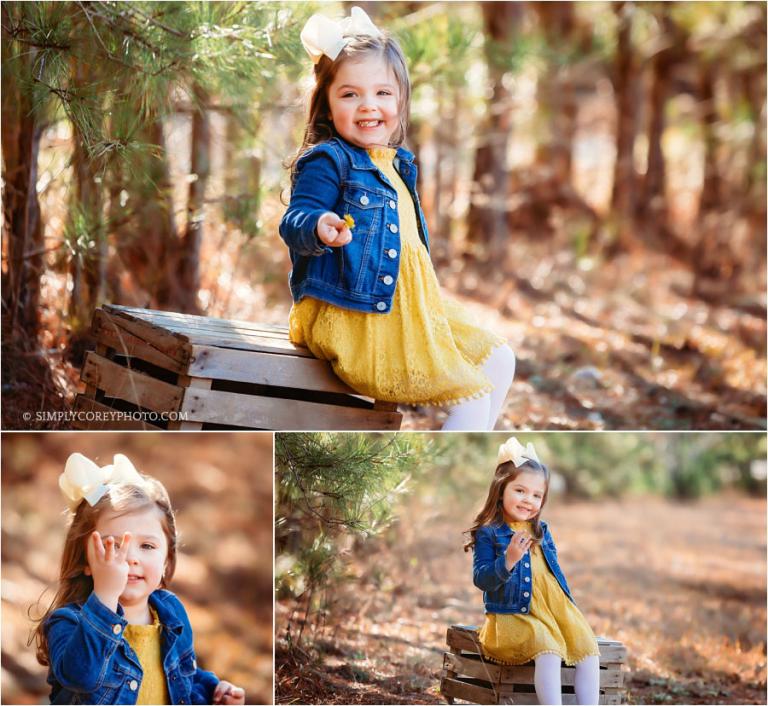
367,124
132,578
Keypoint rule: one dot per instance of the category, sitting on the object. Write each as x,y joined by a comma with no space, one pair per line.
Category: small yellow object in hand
349,221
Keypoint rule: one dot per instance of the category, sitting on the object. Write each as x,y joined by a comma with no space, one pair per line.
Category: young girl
113,634
366,297
530,613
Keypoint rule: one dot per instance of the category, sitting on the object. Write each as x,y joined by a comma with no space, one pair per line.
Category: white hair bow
322,35
84,480
513,450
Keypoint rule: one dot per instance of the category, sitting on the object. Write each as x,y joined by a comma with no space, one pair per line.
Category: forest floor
600,344
683,586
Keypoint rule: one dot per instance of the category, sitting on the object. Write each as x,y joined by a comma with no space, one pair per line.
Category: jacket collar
359,156
165,612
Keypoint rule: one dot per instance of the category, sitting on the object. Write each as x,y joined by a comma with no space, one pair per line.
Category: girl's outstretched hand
226,693
518,546
109,567
333,230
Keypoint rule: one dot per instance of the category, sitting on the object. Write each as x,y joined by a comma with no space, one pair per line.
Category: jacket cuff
108,624
501,569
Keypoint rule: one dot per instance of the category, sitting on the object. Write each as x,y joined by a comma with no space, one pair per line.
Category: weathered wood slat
170,319
110,332
470,690
476,666
171,344
225,333
104,417
265,369
130,385
267,413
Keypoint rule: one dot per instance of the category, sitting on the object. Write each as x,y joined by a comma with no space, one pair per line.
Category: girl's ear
87,570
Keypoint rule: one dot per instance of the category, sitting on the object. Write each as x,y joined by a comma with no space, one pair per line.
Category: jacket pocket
366,207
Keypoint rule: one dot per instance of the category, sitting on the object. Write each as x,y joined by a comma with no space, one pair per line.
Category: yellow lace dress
553,623
426,350
146,643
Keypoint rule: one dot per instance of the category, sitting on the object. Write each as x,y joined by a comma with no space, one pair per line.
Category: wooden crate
469,677
212,374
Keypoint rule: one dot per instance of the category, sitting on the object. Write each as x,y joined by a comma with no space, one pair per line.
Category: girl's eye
147,546
385,93
349,94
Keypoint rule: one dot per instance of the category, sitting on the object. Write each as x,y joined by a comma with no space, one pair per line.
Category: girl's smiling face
146,555
364,101
523,496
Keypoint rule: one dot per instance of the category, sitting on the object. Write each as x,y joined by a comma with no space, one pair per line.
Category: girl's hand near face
333,231
518,546
109,567
226,693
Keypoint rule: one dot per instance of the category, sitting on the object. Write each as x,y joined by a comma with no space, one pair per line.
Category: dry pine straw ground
682,586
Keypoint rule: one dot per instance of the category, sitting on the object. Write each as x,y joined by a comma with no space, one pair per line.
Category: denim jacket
339,177
509,591
91,662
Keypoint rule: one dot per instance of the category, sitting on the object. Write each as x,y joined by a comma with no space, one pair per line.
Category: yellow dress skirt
426,350
552,625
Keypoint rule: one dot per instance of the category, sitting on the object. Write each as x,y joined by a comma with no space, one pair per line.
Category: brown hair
74,584
319,125
493,512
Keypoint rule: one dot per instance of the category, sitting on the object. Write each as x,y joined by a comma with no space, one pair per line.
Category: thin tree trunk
189,257
710,193
487,218
624,175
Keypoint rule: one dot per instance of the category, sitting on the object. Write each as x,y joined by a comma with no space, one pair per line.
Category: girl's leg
586,681
500,369
547,680
471,415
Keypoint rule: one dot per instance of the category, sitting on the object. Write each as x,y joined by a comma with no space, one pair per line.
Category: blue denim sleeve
488,571
203,685
315,192
82,644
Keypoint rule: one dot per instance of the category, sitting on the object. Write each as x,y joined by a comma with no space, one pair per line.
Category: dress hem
569,663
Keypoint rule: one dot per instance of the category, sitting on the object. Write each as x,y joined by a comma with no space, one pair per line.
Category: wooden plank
186,381
169,343
256,412
265,369
473,666
385,406
226,336
194,319
130,385
108,332
106,418
476,666
467,691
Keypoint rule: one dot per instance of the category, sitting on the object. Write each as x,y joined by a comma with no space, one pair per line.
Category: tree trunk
487,218
188,268
21,133
710,193
624,175
555,95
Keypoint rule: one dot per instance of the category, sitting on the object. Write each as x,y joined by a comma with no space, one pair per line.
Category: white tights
586,681
481,414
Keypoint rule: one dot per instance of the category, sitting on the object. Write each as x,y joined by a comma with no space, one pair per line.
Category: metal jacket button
523,610
526,594
133,685
527,579
392,203
393,227
381,306
387,279
527,564
392,253
364,200
116,629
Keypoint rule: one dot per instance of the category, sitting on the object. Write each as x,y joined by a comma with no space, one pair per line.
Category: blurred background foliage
221,488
